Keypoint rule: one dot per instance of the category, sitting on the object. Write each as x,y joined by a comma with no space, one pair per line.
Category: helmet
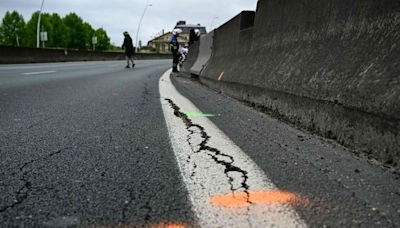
176,31
197,31
126,33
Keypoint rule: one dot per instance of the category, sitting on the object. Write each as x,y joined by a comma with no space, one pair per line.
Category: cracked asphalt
214,153
342,189
86,146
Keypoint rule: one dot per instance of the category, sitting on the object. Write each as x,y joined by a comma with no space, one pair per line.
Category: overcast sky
116,16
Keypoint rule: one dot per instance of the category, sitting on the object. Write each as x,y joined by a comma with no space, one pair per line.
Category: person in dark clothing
198,34
192,37
174,44
129,49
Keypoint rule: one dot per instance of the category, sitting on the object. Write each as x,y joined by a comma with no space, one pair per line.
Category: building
187,27
161,43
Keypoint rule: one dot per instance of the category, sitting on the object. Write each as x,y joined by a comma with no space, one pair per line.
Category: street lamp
140,22
38,27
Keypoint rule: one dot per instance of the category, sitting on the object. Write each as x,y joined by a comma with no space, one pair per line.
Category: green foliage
12,29
103,41
68,32
113,47
59,32
30,30
76,32
46,25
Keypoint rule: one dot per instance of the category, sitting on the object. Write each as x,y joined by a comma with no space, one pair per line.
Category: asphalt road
90,145
86,145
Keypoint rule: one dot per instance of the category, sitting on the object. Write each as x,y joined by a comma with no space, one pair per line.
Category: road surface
91,144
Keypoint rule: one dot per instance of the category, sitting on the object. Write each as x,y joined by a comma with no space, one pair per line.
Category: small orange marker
242,199
169,225
221,76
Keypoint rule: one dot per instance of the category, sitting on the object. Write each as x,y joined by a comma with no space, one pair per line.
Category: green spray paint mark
198,114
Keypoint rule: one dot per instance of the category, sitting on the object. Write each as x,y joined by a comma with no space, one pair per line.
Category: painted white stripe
43,72
205,178
52,65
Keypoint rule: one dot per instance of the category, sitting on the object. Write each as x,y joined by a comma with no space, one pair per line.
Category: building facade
161,43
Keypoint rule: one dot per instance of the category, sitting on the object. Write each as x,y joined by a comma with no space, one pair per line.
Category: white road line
37,66
50,65
43,72
212,165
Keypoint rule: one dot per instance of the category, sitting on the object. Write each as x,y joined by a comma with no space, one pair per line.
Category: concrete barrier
230,44
191,58
11,55
329,66
205,51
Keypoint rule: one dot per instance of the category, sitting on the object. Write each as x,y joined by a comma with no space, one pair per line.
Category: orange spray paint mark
169,225
221,76
161,225
242,199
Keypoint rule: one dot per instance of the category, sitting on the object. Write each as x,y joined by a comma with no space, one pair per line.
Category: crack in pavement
188,139
149,211
142,135
145,94
23,193
127,204
145,99
215,154
146,206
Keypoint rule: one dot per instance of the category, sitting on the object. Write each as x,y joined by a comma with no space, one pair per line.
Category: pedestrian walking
174,44
129,49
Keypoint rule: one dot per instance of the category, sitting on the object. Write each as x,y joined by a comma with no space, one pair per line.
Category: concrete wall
11,55
332,67
191,57
205,51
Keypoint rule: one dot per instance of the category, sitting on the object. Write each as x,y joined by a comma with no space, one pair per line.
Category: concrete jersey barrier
205,51
330,68
191,57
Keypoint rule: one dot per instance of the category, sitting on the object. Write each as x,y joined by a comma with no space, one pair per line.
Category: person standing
129,49
197,32
174,44
192,37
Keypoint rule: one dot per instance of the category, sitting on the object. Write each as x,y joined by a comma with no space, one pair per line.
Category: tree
87,35
68,32
59,31
52,24
30,29
103,41
12,29
76,32
46,26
